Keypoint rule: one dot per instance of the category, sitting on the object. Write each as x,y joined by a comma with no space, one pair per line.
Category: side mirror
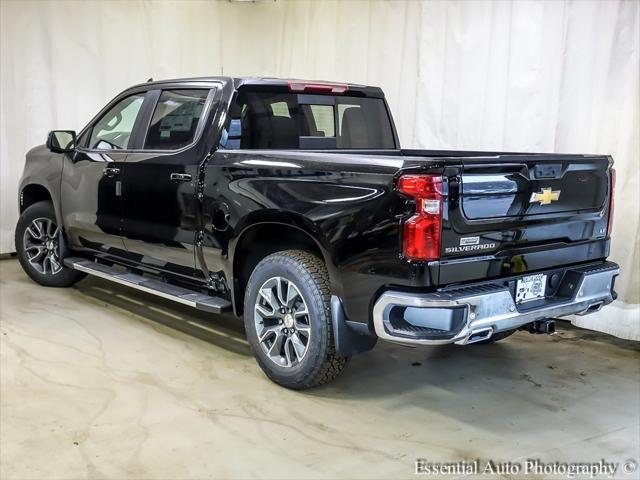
61,141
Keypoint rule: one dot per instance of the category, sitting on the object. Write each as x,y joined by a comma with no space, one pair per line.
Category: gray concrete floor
99,381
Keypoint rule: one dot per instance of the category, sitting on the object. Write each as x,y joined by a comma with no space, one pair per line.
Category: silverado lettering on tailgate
470,244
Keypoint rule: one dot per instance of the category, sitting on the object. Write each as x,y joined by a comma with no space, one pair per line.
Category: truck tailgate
538,187
513,203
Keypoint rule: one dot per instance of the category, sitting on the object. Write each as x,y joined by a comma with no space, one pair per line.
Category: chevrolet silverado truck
291,204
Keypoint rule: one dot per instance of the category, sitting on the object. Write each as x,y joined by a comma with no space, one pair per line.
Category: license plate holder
531,287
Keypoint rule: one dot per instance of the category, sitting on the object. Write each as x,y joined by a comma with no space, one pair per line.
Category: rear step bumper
197,300
474,313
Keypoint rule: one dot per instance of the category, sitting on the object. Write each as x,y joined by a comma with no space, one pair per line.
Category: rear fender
296,221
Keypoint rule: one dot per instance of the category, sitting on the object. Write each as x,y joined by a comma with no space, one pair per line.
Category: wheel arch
268,236
33,193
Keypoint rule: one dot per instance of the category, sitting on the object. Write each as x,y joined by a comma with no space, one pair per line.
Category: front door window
113,130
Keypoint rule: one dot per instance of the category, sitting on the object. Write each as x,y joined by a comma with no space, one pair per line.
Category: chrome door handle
180,177
110,172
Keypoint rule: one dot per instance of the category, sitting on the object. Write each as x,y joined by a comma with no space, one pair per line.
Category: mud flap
348,341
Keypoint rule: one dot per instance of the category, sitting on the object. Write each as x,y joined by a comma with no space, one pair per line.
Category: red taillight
421,232
611,200
318,87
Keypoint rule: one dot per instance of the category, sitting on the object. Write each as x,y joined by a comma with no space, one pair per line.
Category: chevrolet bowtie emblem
545,197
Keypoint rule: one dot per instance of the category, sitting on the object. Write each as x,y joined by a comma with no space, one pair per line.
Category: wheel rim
282,322
41,246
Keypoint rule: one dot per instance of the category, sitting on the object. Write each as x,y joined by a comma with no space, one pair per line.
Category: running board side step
185,296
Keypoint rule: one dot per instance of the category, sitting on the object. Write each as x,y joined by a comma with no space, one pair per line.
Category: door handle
110,172
180,177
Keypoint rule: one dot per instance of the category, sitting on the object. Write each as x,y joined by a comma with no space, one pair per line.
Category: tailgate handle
548,171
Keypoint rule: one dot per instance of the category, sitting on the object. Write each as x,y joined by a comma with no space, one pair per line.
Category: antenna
150,79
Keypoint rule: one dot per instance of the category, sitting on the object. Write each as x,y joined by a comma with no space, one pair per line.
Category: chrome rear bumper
476,312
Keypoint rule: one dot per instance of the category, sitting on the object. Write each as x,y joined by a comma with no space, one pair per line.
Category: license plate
531,287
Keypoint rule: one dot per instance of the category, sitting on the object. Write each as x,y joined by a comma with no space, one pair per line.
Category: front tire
38,246
287,317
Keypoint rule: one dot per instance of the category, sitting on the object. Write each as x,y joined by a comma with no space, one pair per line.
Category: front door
91,188
160,203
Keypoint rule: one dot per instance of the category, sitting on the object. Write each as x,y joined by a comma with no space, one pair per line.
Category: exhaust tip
480,335
594,307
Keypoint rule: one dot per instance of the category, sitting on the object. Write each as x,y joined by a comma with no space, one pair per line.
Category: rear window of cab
276,120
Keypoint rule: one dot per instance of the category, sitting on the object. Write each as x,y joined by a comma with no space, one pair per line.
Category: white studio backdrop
538,76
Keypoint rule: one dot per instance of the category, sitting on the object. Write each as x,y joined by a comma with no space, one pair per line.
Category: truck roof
238,82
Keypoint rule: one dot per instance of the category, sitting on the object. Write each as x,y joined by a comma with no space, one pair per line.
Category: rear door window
175,119
276,120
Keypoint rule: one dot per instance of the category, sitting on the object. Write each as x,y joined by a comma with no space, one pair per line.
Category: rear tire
287,317
38,241
496,337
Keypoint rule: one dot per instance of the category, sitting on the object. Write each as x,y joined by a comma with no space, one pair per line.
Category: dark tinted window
113,130
175,119
267,120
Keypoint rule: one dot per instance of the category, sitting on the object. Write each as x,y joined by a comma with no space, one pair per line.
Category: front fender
44,169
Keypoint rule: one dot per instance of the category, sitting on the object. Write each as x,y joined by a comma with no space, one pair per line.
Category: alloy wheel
41,246
282,322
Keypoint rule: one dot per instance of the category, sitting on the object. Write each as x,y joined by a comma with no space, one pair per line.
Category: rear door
515,202
161,209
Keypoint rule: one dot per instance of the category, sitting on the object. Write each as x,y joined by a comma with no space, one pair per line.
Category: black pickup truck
290,203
